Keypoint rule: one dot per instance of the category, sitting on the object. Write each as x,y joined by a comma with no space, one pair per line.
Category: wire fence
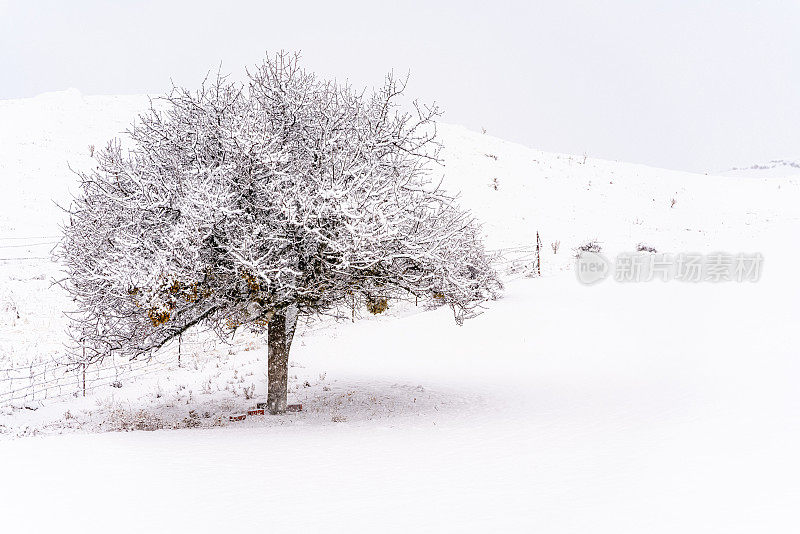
16,249
35,383
523,261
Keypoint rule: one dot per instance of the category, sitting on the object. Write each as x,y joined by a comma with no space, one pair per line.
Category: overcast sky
688,85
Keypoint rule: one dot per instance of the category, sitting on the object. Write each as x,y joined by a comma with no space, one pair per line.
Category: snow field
643,407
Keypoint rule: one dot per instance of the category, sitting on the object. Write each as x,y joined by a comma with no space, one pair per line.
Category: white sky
680,84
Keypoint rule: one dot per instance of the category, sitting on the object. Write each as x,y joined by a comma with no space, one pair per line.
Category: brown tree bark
280,333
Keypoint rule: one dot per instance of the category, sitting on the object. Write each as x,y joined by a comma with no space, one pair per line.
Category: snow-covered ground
638,407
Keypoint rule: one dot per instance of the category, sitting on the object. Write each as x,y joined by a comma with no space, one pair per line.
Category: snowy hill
778,168
639,407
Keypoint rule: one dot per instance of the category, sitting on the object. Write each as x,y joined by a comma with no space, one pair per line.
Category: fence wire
35,383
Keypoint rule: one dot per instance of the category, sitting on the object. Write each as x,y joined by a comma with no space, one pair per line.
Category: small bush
121,420
592,245
554,245
376,305
193,421
644,247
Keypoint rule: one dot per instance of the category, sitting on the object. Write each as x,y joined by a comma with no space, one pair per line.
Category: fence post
538,255
179,349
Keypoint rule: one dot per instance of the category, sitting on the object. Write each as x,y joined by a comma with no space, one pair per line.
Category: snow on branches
240,201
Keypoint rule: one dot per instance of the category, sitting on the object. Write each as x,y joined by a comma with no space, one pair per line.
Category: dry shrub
376,305
122,420
593,245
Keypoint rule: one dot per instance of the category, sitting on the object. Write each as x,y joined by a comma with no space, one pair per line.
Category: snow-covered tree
248,205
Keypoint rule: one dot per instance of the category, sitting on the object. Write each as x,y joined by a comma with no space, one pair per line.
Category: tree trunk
279,339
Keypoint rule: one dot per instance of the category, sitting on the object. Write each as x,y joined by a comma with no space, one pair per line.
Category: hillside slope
641,407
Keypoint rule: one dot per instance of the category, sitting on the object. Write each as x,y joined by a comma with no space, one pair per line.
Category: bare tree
248,205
